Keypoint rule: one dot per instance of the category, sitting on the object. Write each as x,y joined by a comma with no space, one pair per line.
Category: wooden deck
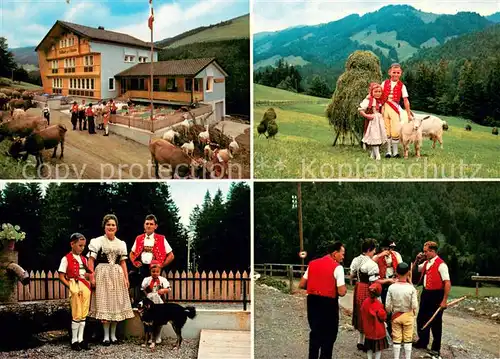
224,344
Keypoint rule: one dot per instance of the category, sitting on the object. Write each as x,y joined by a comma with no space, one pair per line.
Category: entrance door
219,110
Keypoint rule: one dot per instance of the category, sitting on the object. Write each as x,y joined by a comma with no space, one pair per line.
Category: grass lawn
303,147
18,85
12,169
458,292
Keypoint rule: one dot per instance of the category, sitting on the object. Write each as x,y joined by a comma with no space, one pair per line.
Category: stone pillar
8,282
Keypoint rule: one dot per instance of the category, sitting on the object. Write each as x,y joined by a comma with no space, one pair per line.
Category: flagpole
152,54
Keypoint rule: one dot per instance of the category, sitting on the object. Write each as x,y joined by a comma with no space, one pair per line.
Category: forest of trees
461,217
284,76
10,69
49,219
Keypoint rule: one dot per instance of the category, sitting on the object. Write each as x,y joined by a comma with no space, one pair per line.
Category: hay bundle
362,67
191,134
494,131
269,115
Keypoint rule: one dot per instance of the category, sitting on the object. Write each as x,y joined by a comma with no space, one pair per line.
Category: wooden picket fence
186,287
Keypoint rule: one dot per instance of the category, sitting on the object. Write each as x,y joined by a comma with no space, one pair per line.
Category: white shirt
364,104
114,247
63,267
370,267
401,297
404,91
442,269
338,274
149,241
357,263
153,295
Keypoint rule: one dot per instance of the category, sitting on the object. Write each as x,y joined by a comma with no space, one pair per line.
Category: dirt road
281,331
99,157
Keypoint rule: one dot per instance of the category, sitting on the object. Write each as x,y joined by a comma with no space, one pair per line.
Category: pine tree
7,62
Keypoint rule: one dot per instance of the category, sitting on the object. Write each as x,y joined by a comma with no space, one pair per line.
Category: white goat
432,127
204,136
188,147
233,146
170,135
409,133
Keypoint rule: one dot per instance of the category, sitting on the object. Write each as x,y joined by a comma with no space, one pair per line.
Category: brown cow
165,153
22,127
35,143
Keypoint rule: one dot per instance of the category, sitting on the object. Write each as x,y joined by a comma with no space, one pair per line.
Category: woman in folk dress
110,301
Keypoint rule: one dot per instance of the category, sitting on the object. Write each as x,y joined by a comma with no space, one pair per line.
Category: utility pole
301,238
189,252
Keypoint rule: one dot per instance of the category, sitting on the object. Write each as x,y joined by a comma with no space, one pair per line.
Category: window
123,87
171,85
54,66
57,85
210,83
88,62
197,85
188,85
91,84
156,84
129,58
142,85
143,59
111,84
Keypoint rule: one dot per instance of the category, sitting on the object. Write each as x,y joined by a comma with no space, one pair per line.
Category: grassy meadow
303,146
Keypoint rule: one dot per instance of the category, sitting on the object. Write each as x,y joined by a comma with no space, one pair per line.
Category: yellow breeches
402,328
392,122
79,299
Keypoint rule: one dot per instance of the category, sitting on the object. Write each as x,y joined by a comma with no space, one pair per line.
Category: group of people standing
84,115
99,283
385,300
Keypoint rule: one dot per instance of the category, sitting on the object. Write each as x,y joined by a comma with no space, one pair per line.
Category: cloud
128,17
278,15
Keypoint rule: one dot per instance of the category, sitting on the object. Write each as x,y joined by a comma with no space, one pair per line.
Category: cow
35,143
21,127
165,153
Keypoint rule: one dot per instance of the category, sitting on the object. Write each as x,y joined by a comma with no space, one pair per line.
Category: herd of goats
187,150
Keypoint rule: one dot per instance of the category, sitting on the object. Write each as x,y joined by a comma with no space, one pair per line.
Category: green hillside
25,56
236,28
264,94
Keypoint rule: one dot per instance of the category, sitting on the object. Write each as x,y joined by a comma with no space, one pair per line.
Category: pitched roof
188,67
99,35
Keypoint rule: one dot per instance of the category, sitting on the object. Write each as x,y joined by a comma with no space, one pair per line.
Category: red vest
74,108
396,94
73,270
320,280
382,265
159,250
89,112
433,280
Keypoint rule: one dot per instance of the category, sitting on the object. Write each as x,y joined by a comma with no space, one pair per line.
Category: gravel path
130,349
282,331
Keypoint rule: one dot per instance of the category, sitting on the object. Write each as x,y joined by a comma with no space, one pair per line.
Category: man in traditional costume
147,247
393,91
435,278
325,282
81,116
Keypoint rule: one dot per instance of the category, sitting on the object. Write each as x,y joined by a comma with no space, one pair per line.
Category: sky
274,15
186,194
25,22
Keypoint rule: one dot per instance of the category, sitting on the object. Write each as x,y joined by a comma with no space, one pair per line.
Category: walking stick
453,302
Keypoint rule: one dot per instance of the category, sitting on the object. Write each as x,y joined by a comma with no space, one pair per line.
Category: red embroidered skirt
360,294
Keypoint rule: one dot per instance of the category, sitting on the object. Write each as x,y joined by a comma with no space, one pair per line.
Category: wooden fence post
270,270
290,277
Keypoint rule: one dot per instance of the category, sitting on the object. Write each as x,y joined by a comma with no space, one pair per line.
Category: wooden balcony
172,97
78,71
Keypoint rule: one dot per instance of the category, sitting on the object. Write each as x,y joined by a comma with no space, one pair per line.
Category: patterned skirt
110,299
360,294
376,345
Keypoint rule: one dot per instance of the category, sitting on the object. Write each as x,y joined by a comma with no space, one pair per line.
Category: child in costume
155,286
393,90
402,302
374,316
46,113
371,109
74,273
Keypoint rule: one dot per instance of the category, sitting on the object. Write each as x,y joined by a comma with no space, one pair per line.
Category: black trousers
430,301
323,317
47,117
81,119
74,119
91,122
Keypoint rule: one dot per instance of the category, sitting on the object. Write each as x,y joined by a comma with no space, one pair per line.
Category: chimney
101,27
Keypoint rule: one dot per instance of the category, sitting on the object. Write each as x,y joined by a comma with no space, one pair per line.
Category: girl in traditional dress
370,108
362,283
106,113
110,301
374,316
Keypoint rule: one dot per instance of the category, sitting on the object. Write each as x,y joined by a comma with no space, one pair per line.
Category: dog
155,316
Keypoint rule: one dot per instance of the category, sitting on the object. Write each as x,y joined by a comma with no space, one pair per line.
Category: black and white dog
154,316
